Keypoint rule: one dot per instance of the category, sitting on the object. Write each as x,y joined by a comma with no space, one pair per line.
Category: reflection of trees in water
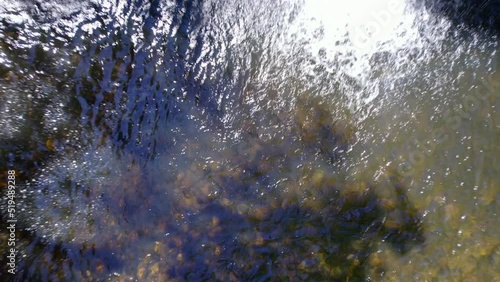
127,90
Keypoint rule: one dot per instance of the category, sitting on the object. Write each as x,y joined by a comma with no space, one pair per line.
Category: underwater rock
333,243
319,130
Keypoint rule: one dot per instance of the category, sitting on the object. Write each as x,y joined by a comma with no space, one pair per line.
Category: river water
250,140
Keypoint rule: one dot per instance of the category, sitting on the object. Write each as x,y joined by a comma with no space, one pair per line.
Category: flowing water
250,140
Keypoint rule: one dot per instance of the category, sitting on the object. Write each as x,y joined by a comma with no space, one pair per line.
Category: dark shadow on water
293,243
475,14
332,242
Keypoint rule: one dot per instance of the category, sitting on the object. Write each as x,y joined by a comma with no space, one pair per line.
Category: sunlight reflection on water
235,141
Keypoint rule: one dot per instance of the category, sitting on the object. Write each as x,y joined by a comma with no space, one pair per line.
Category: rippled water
251,140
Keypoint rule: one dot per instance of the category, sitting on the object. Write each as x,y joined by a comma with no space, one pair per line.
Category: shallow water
249,140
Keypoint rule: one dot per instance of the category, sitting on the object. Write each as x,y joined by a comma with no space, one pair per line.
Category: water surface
250,140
